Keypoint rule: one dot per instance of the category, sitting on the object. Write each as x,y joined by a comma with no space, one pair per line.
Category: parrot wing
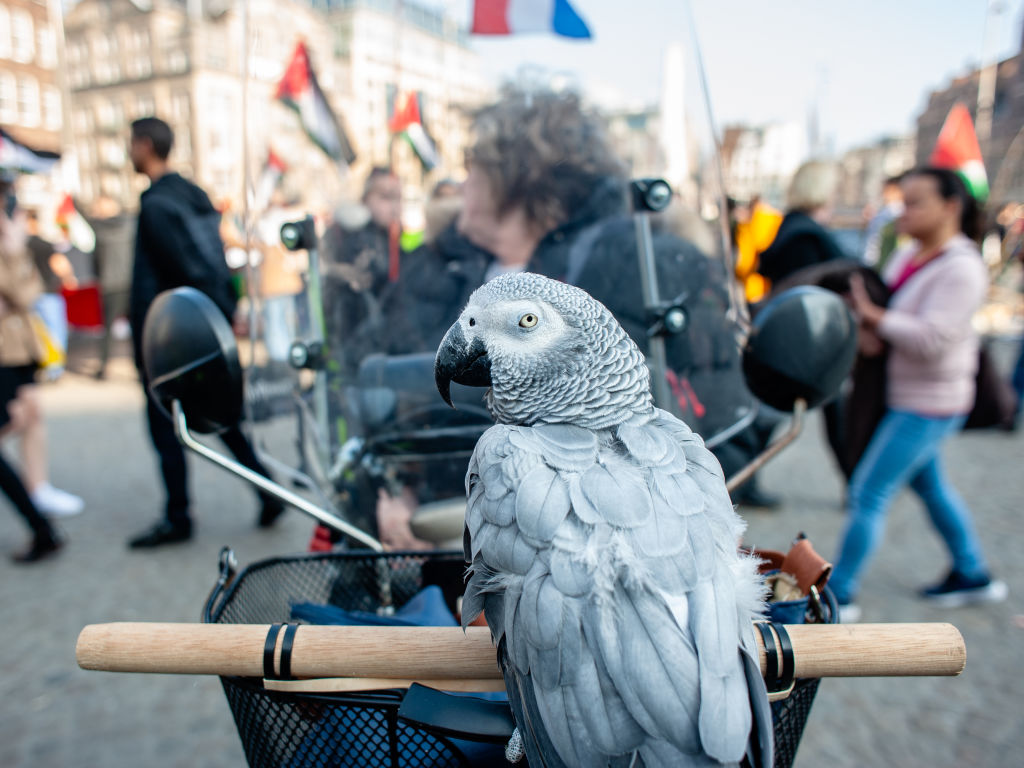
609,580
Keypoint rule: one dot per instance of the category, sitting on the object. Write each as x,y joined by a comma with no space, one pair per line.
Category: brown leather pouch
808,567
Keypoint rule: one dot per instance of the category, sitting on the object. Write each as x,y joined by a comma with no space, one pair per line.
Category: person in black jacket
545,192
177,244
802,241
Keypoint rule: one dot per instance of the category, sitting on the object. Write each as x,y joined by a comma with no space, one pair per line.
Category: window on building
86,156
78,77
177,60
28,100
113,153
83,121
144,106
23,44
5,33
181,106
105,58
109,115
8,98
183,143
46,46
52,117
143,64
101,47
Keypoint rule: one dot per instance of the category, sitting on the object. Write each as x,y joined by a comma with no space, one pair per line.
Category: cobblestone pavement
53,714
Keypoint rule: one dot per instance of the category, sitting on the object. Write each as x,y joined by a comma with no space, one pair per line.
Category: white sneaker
53,502
849,613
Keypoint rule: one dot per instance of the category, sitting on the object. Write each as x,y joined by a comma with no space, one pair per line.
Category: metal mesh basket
789,715
304,730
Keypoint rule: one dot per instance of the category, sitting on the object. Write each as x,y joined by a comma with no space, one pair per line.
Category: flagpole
986,81
247,228
396,60
69,157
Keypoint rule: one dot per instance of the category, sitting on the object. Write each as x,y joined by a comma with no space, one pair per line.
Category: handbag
51,353
995,402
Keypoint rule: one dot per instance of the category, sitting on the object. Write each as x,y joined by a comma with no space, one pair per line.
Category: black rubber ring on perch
268,651
286,651
788,661
771,656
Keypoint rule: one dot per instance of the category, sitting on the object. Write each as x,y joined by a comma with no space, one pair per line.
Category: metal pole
314,296
656,357
264,484
986,82
791,434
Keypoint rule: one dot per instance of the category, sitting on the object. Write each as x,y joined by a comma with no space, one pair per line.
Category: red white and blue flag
516,17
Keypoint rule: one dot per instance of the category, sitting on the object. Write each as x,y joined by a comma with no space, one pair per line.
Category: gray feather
501,512
542,502
570,574
724,695
619,496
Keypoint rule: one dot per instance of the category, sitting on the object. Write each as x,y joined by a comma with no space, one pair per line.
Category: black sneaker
269,512
958,590
42,546
162,533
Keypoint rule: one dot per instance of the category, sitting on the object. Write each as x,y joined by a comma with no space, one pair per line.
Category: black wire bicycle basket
314,730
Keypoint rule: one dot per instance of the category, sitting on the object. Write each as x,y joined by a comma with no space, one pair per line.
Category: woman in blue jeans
937,283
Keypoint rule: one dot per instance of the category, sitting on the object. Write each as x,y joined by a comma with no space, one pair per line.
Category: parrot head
549,352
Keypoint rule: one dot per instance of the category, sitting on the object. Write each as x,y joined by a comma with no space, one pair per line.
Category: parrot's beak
462,362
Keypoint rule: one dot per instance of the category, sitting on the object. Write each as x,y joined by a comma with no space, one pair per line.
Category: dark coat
597,251
435,284
177,244
355,283
115,239
800,242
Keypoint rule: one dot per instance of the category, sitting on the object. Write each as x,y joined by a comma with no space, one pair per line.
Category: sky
868,64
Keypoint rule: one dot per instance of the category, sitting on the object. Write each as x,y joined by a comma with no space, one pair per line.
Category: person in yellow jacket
755,229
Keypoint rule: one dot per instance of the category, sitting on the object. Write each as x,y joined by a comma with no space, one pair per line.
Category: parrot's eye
528,320
472,322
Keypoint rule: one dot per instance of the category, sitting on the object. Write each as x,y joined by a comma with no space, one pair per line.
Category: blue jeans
904,449
1018,374
53,309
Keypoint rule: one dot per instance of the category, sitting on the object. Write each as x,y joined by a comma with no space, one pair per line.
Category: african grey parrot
602,543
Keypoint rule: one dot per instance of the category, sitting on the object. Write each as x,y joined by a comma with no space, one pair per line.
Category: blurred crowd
544,192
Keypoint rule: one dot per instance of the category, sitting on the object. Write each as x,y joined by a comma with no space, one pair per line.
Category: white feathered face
506,343
515,327
549,352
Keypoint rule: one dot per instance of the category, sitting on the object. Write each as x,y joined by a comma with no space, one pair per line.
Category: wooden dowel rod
418,653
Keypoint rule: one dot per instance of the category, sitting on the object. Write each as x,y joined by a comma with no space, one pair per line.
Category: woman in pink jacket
938,282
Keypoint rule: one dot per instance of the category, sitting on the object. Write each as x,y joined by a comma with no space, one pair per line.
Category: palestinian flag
15,156
957,149
79,232
269,178
406,121
300,90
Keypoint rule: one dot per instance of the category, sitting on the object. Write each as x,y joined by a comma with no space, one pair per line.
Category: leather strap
286,651
771,655
268,651
809,568
788,661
